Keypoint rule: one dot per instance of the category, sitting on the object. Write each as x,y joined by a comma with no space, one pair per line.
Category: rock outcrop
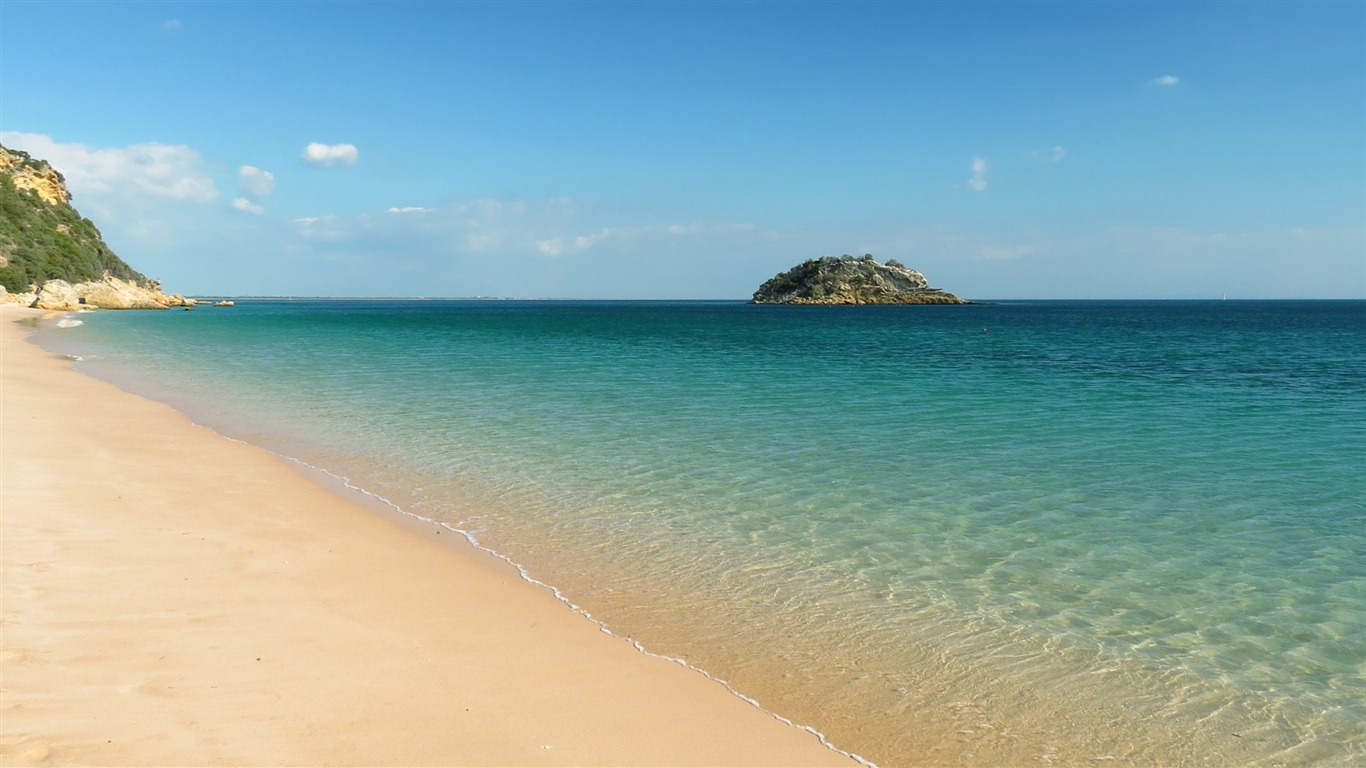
58,295
24,299
109,293
113,293
850,280
35,175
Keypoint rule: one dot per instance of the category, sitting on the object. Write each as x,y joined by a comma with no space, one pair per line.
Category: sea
1014,533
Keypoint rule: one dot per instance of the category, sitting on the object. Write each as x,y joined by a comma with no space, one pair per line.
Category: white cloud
171,24
410,209
243,204
584,242
1054,155
1166,80
550,247
978,182
255,182
329,229
170,171
327,155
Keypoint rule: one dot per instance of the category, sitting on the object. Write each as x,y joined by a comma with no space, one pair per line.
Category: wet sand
173,597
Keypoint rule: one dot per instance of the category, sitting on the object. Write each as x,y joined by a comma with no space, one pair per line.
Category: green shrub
42,242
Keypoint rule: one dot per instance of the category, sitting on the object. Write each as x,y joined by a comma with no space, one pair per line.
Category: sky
632,150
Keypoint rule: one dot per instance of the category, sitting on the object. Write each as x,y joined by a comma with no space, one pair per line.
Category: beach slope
172,597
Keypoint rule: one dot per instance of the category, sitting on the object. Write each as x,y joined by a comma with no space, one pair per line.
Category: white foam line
526,576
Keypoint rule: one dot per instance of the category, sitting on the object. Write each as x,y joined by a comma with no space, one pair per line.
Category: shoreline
173,596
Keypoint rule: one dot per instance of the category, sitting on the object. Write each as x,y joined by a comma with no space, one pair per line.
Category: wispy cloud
171,24
584,242
1166,80
978,182
243,204
1054,155
255,182
329,229
543,247
328,155
556,227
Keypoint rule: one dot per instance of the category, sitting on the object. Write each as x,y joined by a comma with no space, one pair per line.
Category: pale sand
172,597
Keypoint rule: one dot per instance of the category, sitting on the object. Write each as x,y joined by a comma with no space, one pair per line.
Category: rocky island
53,258
851,280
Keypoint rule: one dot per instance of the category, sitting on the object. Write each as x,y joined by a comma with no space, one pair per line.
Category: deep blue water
1016,533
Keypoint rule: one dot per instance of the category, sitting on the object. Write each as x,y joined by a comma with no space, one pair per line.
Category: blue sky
693,150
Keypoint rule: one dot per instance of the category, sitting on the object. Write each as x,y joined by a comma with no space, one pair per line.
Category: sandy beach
172,597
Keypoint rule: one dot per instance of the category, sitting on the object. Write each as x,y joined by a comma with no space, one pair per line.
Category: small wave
67,322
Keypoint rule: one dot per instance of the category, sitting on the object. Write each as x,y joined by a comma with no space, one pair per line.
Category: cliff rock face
51,258
57,294
24,299
114,293
35,175
850,280
109,293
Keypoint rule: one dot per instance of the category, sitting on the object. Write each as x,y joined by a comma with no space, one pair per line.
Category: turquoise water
1021,533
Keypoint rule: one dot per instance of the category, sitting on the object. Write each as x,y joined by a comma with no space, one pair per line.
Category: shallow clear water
1024,533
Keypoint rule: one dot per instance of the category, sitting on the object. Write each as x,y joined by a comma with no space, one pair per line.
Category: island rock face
51,257
850,280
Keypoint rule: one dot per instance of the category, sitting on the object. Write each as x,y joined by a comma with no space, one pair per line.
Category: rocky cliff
35,176
850,280
51,257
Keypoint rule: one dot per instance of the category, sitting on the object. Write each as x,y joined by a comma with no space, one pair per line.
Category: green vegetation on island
850,280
